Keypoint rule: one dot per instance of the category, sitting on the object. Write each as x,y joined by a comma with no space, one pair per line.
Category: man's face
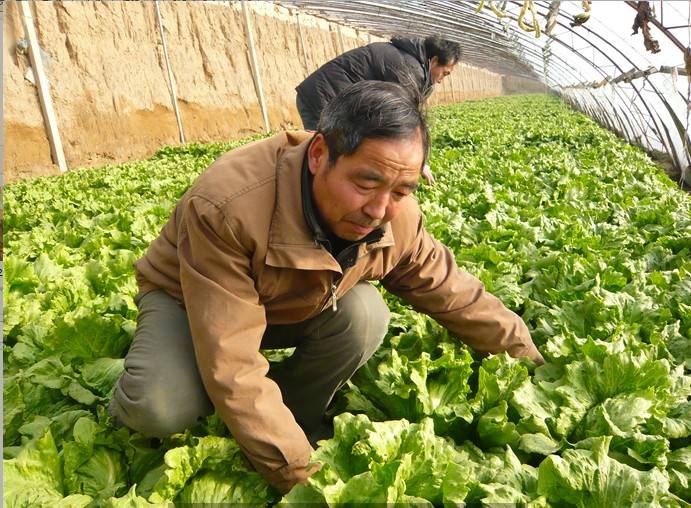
439,71
362,191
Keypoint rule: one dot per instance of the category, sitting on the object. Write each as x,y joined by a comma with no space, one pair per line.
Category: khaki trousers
161,392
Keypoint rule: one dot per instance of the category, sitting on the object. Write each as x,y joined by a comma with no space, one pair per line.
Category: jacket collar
295,238
308,204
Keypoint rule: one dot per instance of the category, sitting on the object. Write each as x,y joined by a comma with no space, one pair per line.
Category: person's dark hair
371,110
445,51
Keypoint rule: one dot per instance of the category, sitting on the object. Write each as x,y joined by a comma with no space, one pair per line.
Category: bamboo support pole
2,157
43,88
302,43
171,79
255,66
340,37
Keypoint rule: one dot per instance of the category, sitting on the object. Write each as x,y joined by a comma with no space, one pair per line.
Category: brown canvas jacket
237,251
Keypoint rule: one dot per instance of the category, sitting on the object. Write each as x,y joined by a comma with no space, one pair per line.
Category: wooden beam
43,88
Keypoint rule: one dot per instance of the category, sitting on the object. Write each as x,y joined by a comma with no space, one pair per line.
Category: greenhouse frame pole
507,47
171,79
485,26
45,99
255,66
459,29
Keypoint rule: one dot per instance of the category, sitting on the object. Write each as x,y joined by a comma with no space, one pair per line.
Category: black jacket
402,60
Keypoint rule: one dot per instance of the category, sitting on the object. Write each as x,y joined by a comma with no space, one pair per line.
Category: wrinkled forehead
391,157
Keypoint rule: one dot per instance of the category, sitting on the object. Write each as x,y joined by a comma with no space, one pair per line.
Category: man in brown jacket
272,247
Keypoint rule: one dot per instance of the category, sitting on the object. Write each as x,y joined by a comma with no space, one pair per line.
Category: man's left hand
427,174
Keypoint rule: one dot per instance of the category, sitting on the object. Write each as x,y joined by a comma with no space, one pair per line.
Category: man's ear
317,154
434,61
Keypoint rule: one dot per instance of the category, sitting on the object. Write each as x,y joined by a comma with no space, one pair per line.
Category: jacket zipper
334,288
334,305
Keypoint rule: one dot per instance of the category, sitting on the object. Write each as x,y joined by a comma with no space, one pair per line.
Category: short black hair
446,51
372,110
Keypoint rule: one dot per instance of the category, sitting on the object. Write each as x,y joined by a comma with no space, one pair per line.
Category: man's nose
375,208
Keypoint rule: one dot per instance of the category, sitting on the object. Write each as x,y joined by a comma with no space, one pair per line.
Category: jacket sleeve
227,324
428,278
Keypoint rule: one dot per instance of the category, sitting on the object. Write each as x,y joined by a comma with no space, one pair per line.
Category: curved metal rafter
663,134
493,44
594,97
482,41
595,66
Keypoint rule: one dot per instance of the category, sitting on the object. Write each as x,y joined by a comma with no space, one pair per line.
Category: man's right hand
289,476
